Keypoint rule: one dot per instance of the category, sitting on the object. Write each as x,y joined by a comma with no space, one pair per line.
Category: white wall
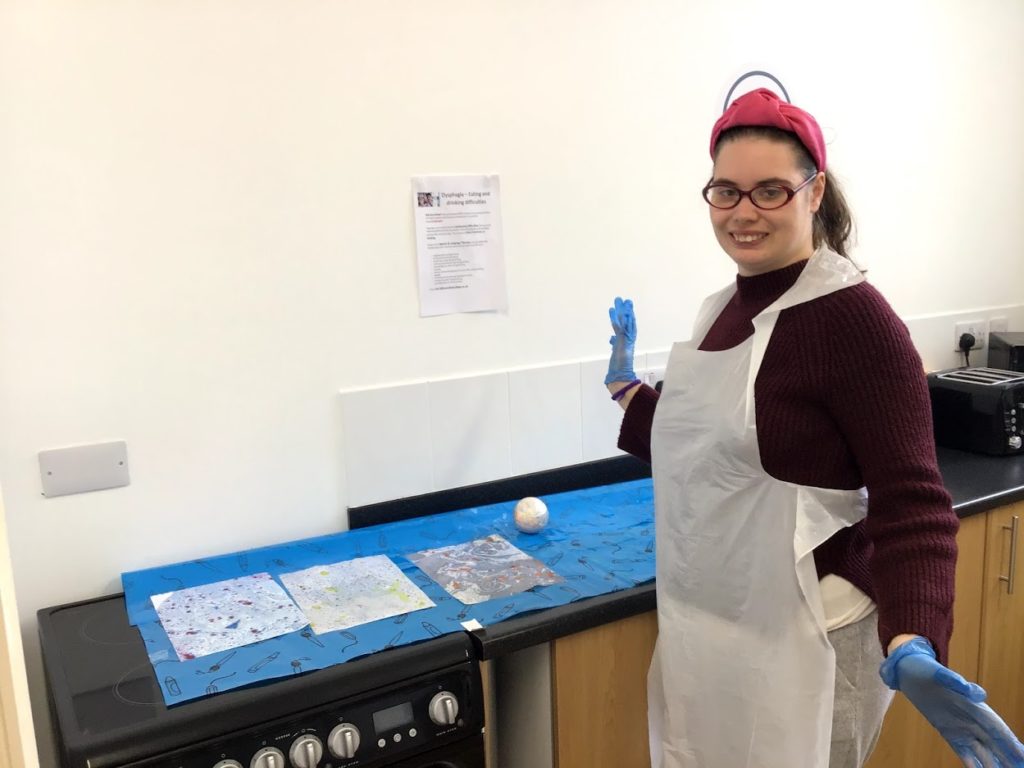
205,230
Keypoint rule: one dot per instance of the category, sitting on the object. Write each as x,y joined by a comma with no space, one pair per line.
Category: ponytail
833,223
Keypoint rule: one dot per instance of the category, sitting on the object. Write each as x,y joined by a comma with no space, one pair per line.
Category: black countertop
977,484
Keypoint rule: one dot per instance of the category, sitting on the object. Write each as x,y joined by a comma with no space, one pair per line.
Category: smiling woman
803,529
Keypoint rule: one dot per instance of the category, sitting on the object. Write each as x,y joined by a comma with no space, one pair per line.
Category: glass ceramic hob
109,710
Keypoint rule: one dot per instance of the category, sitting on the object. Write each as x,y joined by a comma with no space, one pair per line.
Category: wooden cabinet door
1002,648
907,739
599,687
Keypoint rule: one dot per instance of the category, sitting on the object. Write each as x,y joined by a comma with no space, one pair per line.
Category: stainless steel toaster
978,409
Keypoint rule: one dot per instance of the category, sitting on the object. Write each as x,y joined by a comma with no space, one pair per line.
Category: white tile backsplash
544,405
933,335
601,417
658,359
410,439
387,443
470,432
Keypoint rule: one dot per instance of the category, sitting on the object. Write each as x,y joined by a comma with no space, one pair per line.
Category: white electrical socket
651,376
977,328
654,375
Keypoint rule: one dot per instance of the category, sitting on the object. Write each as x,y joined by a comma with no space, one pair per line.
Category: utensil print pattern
610,527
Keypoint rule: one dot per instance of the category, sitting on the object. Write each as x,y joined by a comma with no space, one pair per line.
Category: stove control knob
268,757
228,764
344,741
1015,442
444,708
306,751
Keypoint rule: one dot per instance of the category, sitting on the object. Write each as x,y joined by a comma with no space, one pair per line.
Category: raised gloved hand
953,706
620,366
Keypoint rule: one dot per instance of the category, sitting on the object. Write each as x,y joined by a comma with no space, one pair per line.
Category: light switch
83,468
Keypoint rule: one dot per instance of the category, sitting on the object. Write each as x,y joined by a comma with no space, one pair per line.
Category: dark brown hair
833,224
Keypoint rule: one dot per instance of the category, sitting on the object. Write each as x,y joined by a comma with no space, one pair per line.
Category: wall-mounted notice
459,244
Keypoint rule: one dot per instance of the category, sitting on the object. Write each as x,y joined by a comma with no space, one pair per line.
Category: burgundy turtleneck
842,402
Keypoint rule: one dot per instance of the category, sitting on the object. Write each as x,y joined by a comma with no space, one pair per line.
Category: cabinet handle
1012,528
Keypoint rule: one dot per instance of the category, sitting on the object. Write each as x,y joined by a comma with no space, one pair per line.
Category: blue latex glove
620,367
953,706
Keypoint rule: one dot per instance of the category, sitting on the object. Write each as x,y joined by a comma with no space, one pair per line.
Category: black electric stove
417,706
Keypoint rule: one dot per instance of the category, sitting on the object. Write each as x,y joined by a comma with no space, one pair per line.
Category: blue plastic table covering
599,540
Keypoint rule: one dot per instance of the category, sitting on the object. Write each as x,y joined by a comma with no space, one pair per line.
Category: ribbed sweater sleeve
635,431
875,389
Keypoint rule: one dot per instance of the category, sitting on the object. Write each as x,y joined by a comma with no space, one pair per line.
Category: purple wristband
622,392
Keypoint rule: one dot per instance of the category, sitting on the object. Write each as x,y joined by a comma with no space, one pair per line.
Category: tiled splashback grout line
430,411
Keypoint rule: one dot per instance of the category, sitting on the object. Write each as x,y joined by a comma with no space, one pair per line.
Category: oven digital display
393,718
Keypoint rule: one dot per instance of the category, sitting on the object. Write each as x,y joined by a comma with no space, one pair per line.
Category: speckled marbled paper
353,592
483,569
217,617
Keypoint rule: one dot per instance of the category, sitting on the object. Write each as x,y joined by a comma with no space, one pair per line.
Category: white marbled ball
531,514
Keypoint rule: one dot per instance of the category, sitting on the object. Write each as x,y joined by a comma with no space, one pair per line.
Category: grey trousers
861,698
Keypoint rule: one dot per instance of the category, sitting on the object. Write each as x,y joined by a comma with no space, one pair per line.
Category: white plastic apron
743,672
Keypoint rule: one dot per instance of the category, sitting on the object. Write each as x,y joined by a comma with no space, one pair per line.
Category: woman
794,536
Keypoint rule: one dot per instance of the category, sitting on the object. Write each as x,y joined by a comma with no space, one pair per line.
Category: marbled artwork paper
483,569
353,592
217,617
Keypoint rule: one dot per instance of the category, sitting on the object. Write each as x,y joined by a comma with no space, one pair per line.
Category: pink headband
764,107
